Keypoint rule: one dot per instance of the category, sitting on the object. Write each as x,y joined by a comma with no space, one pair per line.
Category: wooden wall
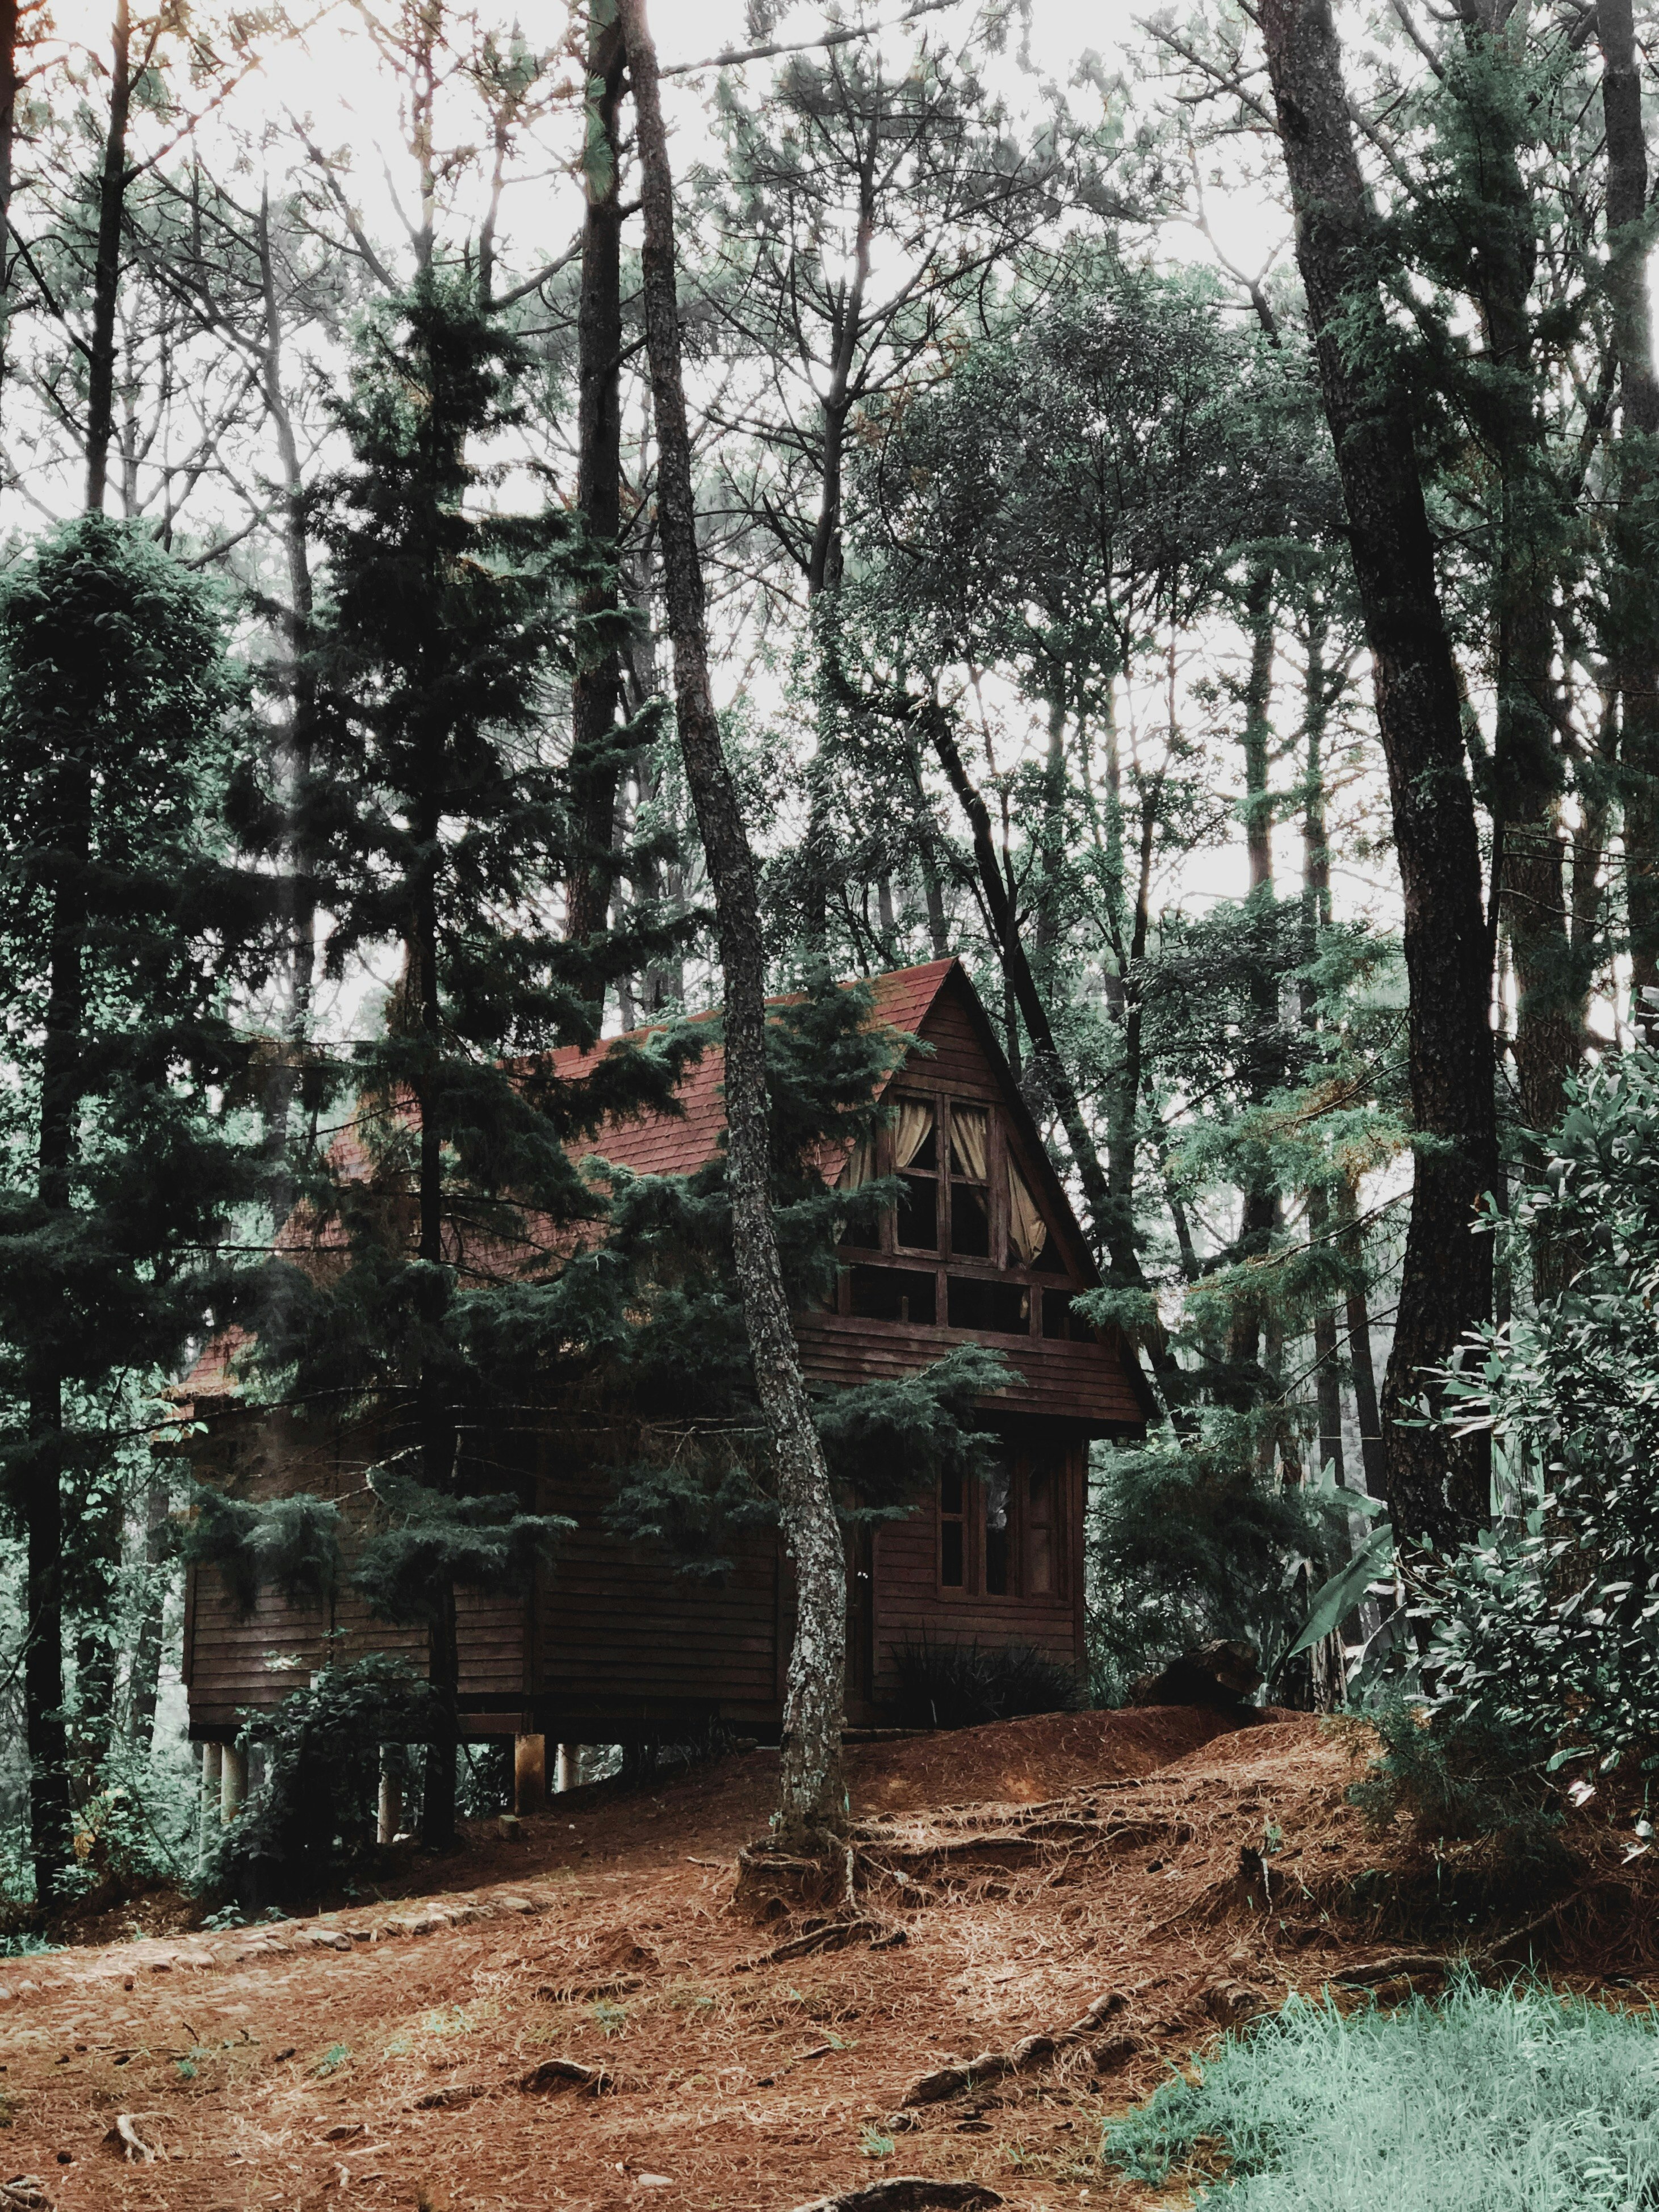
620,1635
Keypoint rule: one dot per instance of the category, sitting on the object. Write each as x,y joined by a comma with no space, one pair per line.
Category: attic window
970,1182
915,1162
1028,1232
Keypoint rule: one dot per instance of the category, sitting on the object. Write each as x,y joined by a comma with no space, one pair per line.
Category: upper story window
971,1181
915,1161
966,1213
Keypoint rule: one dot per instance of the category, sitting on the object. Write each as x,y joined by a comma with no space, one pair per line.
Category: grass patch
1512,2100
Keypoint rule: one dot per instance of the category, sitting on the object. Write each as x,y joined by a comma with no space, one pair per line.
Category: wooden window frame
1003,1145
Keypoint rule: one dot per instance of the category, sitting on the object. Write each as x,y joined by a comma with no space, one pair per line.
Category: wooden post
212,1760
529,1773
568,1766
233,1781
389,1807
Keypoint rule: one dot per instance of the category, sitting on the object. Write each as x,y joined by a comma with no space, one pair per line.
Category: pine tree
438,821
116,922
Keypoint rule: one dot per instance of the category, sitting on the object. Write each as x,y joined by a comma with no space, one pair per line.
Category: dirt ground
583,2018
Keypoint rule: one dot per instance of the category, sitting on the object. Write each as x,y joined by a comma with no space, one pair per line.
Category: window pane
950,1554
977,1303
950,1493
1042,1497
1057,1313
996,1533
925,1157
893,1294
971,1221
918,1212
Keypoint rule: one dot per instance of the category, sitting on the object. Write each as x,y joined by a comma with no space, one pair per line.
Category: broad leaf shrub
1492,2101
1543,1634
309,1823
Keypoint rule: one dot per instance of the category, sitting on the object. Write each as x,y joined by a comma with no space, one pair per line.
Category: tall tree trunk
598,687
61,1078
1259,1209
1527,768
434,1413
1258,726
1357,1299
10,67
106,264
299,921
1315,917
1437,1483
143,1685
1633,612
812,1798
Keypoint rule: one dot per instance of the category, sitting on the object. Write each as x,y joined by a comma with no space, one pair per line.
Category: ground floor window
1003,1535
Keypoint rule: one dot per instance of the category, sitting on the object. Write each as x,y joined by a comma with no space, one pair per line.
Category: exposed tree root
1032,2050
910,2192
24,2192
829,1936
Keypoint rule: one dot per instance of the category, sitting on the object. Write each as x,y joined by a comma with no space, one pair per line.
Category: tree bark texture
144,1684
1260,1207
597,688
50,1824
10,31
812,1804
1527,766
1634,615
106,264
1438,1486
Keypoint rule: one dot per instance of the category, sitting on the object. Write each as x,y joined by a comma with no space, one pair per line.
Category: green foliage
966,1685
1460,1777
1547,1626
113,731
424,1543
310,1820
1510,2100
291,1545
1189,1539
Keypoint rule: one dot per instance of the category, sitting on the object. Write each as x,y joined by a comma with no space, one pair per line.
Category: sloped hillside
1049,1912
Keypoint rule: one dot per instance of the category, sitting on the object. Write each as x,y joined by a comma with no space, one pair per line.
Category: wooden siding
620,1633
1082,1384
233,1665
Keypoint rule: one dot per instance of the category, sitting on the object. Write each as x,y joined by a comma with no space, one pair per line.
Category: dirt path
376,2056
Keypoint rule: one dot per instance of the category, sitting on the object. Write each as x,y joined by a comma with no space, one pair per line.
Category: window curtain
910,1131
916,1119
860,1164
1028,1232
970,1141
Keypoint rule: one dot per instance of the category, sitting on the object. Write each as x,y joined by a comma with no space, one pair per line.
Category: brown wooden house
617,1643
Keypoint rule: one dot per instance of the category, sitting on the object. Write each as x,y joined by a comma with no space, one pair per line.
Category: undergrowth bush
965,1684
1457,1776
1513,2100
1188,1542
1546,1627
311,1819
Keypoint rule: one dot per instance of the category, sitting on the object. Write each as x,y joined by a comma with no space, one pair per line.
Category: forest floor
582,2017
